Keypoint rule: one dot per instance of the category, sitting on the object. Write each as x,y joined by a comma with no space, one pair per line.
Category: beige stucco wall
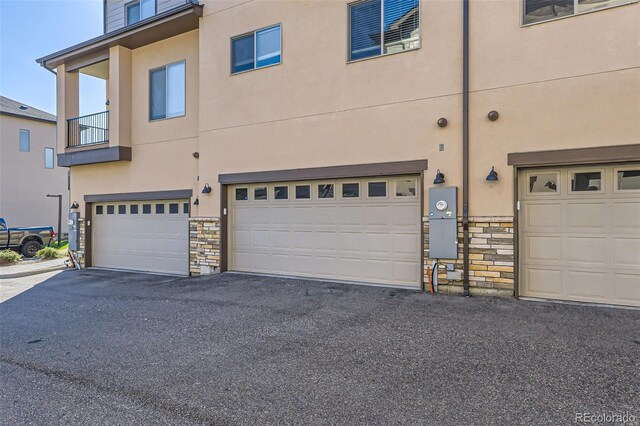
24,181
556,85
161,150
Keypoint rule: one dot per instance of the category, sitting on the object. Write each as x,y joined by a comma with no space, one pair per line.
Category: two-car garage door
365,229
580,234
149,236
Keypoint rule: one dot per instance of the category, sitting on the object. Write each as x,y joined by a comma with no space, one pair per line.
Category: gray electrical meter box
443,223
74,236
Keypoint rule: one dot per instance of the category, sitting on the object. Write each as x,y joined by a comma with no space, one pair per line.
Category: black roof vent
22,107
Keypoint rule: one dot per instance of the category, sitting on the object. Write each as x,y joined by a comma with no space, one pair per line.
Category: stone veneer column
491,256
204,245
81,241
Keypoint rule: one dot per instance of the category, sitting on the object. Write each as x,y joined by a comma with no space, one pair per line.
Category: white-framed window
260,193
281,192
543,183
257,49
242,194
586,181
351,190
627,179
167,87
25,140
303,192
326,191
406,187
536,11
49,155
139,10
377,189
381,27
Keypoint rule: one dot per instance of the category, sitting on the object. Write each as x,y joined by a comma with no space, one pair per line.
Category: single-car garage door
366,230
580,234
150,236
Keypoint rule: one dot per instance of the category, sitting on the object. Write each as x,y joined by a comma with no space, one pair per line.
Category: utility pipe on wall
465,146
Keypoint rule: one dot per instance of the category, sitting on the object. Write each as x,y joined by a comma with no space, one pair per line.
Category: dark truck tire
30,248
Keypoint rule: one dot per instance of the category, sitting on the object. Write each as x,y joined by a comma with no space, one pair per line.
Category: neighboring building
301,138
28,170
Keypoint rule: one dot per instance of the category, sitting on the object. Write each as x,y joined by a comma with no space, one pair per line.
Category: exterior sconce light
493,115
206,189
442,122
196,154
75,205
196,202
439,178
493,175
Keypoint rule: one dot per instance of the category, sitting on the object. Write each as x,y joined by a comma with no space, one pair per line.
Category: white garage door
580,234
366,230
151,236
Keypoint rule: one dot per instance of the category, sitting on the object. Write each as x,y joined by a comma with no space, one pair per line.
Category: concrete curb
33,272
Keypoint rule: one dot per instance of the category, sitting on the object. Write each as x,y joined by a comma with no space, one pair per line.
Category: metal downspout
465,146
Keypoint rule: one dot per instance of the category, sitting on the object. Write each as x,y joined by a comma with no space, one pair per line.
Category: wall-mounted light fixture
75,205
196,154
206,189
442,122
196,202
493,115
493,175
439,178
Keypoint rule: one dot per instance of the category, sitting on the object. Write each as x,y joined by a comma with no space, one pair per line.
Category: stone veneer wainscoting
204,245
491,257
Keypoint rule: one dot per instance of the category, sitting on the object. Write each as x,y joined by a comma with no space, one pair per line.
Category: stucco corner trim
331,172
140,196
600,154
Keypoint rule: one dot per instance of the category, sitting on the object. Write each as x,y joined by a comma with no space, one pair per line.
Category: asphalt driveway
98,347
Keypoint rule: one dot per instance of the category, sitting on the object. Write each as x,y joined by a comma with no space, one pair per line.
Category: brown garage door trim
333,172
602,154
140,196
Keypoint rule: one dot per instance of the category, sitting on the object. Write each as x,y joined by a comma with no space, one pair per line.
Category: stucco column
68,102
119,88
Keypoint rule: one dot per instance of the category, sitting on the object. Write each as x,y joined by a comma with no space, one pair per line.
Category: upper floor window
545,10
167,91
139,10
48,158
380,27
25,140
257,49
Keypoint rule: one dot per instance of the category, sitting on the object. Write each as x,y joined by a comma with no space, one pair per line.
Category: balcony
89,130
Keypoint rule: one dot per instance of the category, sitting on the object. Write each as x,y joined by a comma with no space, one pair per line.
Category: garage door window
173,208
350,190
281,193
146,209
260,193
543,183
377,189
242,194
586,181
99,209
628,180
325,191
133,209
122,209
406,187
159,208
185,208
303,192
110,209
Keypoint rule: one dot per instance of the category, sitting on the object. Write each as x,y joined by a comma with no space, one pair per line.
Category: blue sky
30,29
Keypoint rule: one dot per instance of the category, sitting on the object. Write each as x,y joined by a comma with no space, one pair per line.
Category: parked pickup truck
25,240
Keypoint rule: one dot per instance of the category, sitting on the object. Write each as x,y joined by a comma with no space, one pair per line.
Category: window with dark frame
381,27
257,49
167,87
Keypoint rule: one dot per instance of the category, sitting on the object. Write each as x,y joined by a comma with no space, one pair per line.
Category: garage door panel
582,245
626,216
359,238
586,215
627,252
592,250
